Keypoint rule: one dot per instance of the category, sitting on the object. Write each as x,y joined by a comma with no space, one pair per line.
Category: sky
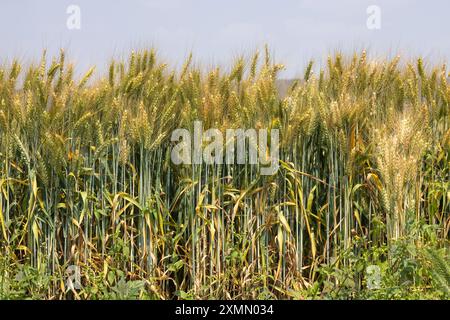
218,31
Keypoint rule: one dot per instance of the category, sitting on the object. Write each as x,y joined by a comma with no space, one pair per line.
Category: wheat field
86,180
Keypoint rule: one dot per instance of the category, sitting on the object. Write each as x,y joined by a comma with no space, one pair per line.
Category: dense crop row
86,179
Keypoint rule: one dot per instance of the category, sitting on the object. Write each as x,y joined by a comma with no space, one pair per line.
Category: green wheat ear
440,269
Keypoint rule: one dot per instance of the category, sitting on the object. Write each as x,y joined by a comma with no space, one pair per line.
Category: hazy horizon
216,32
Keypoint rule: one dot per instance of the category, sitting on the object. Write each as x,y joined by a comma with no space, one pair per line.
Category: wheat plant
86,176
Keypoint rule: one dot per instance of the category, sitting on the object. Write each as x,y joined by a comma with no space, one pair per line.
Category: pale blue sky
216,31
